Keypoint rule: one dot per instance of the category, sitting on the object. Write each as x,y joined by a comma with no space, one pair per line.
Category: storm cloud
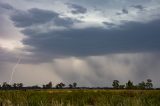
6,6
77,9
130,38
138,7
32,16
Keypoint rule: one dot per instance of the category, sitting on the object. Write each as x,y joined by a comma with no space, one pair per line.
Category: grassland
80,97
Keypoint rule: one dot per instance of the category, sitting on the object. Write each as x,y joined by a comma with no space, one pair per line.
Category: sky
91,42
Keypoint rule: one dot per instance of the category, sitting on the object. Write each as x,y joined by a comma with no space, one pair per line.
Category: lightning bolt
14,69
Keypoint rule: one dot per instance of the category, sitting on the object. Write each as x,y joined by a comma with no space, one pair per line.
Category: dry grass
80,98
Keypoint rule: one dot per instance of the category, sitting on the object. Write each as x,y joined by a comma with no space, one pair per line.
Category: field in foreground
80,98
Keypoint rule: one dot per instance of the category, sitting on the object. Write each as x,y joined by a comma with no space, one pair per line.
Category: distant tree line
49,85
5,85
129,85
115,85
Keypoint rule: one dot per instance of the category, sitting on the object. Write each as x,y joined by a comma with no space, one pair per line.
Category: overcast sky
91,42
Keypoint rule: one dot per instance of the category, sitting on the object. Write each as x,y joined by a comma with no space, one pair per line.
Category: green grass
80,98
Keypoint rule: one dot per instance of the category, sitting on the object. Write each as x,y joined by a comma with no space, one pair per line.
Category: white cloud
11,45
10,36
104,11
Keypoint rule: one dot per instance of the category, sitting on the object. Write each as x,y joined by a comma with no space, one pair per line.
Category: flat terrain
69,97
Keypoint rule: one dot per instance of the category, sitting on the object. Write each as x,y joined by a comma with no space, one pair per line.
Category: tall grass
80,98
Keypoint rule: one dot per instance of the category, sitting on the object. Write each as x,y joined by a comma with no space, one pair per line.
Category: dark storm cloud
37,16
32,16
6,6
140,7
109,24
77,9
132,37
124,11
63,21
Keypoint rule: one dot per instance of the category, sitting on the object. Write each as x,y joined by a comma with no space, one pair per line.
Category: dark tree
60,85
115,84
70,86
17,85
5,85
35,87
47,86
14,85
74,85
57,86
142,85
149,84
44,86
121,86
129,85
20,85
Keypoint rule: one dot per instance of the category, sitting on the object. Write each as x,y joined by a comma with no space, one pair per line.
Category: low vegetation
67,97
142,94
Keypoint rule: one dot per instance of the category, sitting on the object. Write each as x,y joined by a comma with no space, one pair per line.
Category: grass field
80,98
